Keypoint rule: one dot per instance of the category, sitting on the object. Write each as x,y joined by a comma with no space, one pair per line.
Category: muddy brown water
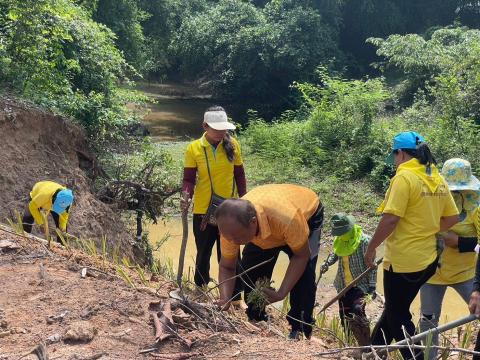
174,118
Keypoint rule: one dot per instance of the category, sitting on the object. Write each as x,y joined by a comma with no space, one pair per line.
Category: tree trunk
139,225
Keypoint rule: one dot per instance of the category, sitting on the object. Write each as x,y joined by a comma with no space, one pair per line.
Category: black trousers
352,303
28,221
204,242
400,289
302,295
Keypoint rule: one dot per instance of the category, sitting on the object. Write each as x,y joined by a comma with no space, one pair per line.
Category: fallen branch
395,347
165,326
164,323
40,351
92,357
439,329
178,356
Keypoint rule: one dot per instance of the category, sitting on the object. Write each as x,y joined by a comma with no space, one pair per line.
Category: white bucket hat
217,120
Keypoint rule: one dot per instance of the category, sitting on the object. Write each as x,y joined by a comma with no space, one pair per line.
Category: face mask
457,196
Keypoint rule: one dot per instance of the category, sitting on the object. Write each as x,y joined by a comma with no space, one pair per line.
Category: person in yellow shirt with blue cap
349,245
49,197
458,258
417,206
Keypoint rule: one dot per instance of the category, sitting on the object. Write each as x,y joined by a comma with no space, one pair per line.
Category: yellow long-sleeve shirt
41,195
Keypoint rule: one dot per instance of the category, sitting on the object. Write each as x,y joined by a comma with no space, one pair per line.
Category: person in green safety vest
349,245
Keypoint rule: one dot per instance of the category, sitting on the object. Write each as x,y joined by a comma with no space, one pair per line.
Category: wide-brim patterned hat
458,174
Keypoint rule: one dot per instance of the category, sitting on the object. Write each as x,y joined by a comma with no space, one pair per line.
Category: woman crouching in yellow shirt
49,197
417,206
457,267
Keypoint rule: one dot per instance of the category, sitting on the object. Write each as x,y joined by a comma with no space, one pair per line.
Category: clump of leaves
257,296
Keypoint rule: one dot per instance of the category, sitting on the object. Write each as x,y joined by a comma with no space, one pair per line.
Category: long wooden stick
47,231
352,284
181,258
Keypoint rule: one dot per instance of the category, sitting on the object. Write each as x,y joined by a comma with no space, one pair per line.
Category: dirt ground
43,299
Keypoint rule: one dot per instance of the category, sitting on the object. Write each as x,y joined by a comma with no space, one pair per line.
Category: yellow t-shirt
221,170
42,194
346,270
455,266
283,211
412,245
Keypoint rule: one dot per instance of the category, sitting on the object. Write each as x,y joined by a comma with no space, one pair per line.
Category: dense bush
251,55
54,54
347,134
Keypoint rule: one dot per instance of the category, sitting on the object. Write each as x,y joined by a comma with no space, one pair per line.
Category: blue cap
404,140
63,200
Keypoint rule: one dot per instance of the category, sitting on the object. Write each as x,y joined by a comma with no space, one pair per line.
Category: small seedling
17,224
64,240
257,296
141,275
125,276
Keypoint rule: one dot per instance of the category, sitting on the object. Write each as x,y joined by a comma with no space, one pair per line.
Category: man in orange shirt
267,220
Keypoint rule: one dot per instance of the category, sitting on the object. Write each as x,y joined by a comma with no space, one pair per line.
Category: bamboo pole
442,328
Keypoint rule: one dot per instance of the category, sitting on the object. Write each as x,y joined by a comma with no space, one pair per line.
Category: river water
173,118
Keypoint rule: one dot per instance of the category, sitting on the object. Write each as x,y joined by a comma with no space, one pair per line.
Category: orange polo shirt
282,213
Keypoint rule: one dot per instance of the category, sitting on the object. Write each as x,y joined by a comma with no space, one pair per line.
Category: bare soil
43,295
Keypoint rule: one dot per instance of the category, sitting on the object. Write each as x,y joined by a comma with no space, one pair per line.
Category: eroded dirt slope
36,145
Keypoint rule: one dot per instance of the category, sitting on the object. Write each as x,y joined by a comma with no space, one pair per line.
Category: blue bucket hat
404,140
63,200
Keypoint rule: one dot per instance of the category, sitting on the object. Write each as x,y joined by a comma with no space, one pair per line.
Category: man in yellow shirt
267,220
49,197
417,205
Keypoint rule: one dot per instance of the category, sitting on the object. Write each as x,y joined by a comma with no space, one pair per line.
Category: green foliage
252,55
54,54
342,130
339,135
257,297
424,58
446,108
124,18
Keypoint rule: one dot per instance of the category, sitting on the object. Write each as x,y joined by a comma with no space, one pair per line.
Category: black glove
467,244
372,292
